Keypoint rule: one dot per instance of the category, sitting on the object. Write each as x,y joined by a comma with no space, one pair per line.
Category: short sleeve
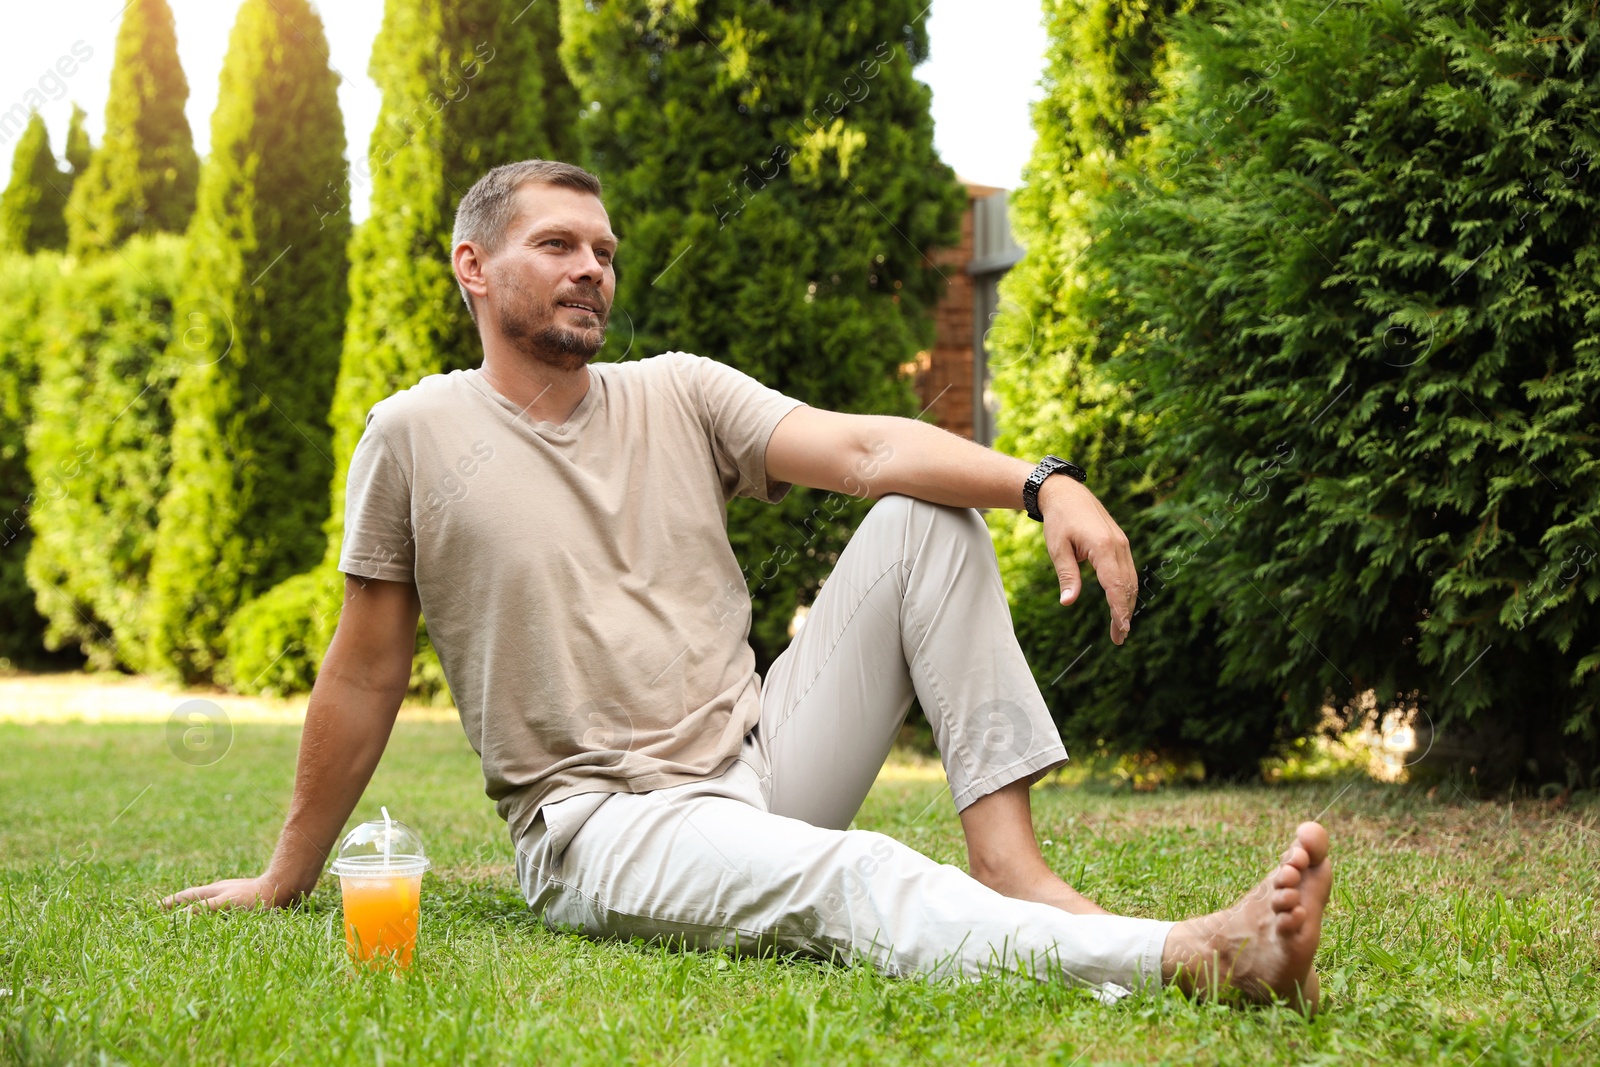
740,414
379,541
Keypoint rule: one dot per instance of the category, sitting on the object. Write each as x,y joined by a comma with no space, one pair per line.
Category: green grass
1461,932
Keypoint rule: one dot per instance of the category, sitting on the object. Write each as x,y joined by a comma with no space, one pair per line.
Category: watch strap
1047,466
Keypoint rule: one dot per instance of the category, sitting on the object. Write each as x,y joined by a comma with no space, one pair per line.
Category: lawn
1462,931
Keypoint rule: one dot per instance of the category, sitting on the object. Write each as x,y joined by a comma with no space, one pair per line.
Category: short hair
490,206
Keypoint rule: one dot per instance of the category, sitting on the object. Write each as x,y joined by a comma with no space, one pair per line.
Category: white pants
760,857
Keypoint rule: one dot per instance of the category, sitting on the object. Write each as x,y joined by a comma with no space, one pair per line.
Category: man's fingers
1093,535
1131,590
1113,565
187,895
1114,601
216,896
220,900
1067,574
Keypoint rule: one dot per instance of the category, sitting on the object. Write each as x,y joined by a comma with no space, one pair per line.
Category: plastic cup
380,867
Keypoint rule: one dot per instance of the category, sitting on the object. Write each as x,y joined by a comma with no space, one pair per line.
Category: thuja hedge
1343,302
265,291
1048,348
142,177
99,445
24,281
33,206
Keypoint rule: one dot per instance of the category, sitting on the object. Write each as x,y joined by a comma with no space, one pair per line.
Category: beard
530,324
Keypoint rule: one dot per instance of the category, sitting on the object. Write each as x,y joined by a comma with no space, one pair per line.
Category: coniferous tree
775,180
25,281
467,85
78,154
1384,412
1360,427
263,312
142,178
33,207
99,445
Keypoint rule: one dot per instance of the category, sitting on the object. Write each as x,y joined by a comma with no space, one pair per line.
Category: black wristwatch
1047,466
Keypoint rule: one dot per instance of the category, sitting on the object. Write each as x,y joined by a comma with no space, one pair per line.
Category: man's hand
1077,527
260,892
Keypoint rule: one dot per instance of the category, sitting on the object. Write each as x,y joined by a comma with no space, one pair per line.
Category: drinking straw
388,828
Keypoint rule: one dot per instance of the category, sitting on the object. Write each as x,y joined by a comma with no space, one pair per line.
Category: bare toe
1264,946
1314,839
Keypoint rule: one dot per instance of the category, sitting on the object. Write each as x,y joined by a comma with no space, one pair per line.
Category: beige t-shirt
577,580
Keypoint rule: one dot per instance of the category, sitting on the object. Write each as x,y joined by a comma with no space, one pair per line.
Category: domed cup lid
379,848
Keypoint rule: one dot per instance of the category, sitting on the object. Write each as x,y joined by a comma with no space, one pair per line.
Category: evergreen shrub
25,281
33,206
1048,346
1343,298
101,434
263,304
142,178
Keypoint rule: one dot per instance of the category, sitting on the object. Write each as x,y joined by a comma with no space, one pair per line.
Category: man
563,527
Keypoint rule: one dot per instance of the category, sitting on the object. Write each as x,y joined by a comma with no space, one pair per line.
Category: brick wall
943,376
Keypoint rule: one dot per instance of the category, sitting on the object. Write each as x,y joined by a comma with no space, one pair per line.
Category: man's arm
872,455
348,721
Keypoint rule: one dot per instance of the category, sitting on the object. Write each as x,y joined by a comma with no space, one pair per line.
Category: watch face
1066,467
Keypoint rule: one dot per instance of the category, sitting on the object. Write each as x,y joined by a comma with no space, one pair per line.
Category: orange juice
380,916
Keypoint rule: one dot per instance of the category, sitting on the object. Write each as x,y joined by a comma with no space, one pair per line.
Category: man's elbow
872,470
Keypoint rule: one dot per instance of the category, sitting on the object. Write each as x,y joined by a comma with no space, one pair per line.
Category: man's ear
468,262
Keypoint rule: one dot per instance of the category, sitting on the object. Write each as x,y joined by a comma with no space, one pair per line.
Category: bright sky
986,62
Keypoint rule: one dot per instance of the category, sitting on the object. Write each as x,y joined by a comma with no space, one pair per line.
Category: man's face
552,282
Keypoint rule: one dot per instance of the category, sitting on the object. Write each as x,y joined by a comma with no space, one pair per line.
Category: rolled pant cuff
1150,962
1033,768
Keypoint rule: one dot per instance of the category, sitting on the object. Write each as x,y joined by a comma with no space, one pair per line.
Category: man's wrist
295,867
1041,476
1055,491
282,891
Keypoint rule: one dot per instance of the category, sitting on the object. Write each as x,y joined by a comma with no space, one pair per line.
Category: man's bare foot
1263,946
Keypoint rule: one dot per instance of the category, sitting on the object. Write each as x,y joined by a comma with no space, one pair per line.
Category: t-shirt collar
575,421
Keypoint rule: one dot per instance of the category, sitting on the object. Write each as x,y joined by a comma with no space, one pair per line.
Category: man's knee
892,507
941,521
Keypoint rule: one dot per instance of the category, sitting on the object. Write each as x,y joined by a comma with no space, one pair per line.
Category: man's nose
588,267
